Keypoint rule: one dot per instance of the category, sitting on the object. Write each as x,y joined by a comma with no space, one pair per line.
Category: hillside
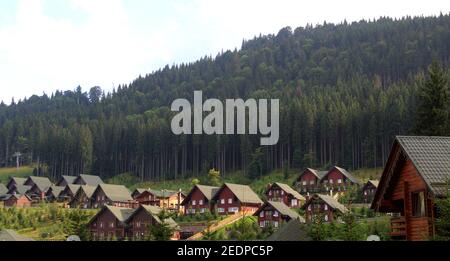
345,91
7,173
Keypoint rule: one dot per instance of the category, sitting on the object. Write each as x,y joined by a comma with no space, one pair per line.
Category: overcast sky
47,45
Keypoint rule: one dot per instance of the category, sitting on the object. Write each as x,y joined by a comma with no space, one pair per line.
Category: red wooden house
416,174
53,193
113,195
18,189
65,180
16,200
338,180
199,199
369,190
233,198
323,206
140,222
274,214
83,198
309,181
110,223
69,192
284,193
137,192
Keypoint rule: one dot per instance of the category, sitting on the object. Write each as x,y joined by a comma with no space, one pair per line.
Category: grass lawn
7,173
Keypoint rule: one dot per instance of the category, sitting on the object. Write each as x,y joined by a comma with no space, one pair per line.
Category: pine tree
434,98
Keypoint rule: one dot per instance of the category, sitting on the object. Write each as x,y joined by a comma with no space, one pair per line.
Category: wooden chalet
38,191
15,181
140,222
323,206
234,198
338,180
53,193
65,180
3,189
284,193
113,195
83,198
199,200
417,173
137,192
109,223
41,182
274,214
16,200
69,192
309,181
18,189
167,199
369,190
90,180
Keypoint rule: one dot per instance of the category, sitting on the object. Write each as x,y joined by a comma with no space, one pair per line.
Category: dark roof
3,189
154,211
11,235
294,230
242,192
67,179
290,190
208,191
73,188
138,192
116,192
89,179
88,190
330,201
20,189
282,209
19,181
42,183
431,157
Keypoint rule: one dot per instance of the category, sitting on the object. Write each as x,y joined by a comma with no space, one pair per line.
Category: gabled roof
154,211
138,191
11,235
282,209
3,189
88,190
318,173
67,179
290,190
55,190
374,183
294,230
122,214
73,188
431,157
330,201
18,181
115,192
207,191
20,189
242,192
89,179
163,193
345,173
43,183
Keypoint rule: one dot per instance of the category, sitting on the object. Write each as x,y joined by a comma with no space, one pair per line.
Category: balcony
398,227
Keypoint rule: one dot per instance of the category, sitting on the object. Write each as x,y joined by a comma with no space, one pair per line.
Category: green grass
366,174
7,173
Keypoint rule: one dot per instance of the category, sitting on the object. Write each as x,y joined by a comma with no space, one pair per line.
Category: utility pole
17,155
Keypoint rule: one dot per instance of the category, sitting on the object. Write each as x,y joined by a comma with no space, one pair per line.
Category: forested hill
345,91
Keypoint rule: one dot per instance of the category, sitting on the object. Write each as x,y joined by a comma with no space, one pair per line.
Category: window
311,182
304,183
418,204
294,202
326,218
200,202
325,207
331,181
309,207
101,224
220,210
138,224
233,210
275,214
282,192
194,202
222,201
275,224
202,210
111,224
339,181
261,214
261,224
230,201
270,192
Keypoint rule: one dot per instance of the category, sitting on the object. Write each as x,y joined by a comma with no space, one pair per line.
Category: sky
48,45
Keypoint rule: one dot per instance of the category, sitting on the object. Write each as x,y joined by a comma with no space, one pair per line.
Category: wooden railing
398,227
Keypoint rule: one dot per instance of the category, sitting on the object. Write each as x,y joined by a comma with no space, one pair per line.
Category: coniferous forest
345,91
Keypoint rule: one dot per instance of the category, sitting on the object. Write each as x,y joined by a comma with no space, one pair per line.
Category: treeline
345,90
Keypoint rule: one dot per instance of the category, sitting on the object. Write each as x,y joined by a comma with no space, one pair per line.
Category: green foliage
442,222
214,177
433,111
163,231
